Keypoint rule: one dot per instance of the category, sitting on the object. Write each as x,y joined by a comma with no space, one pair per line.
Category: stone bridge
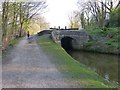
70,39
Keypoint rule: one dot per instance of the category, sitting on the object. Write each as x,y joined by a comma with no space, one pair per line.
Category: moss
72,69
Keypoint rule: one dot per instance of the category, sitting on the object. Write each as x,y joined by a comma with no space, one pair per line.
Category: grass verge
12,43
70,68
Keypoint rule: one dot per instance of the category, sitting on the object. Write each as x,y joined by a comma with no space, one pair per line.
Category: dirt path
26,66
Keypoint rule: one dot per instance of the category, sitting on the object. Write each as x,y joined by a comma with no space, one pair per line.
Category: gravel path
26,66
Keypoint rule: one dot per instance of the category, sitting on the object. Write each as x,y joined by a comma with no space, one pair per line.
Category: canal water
104,64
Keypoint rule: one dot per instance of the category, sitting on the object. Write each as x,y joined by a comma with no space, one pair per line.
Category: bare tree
74,19
30,10
16,17
98,10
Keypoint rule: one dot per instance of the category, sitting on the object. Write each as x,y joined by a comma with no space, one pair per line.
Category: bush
115,18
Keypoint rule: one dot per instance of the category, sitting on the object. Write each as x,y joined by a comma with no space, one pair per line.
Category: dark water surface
105,65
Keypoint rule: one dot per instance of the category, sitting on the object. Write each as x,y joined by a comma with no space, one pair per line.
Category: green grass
12,43
107,40
104,33
72,69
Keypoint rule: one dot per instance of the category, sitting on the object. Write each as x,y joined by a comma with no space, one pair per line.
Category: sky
58,12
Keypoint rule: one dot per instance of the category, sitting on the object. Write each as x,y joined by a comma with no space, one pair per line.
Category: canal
105,65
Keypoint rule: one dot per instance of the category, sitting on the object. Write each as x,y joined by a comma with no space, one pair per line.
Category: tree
5,6
39,21
74,19
96,11
82,20
16,17
30,9
115,18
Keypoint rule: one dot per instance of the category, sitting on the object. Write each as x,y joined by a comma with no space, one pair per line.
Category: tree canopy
99,13
16,17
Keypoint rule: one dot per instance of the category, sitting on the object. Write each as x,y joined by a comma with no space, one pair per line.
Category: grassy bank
74,71
12,43
103,41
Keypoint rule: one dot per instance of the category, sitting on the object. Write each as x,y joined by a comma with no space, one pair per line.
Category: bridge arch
67,43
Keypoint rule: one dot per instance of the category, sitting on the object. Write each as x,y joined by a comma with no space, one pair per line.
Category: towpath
26,66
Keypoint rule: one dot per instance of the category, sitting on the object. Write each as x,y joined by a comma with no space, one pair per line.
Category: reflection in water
105,65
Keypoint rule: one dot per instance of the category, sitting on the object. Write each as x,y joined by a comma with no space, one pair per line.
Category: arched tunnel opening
66,43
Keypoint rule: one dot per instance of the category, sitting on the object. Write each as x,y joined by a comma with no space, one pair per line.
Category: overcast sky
58,11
